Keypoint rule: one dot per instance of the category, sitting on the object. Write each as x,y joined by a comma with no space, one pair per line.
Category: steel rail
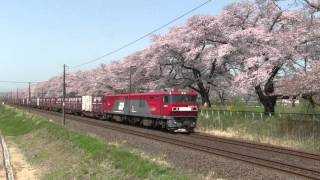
268,147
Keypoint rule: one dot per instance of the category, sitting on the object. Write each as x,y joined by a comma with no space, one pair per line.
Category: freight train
173,111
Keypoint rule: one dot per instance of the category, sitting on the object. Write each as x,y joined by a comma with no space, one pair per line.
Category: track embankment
292,162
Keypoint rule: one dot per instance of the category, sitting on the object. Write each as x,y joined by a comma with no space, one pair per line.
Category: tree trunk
246,99
268,101
221,95
293,102
204,93
205,99
309,98
266,97
269,104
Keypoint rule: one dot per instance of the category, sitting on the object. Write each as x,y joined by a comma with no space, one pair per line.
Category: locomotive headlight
175,109
193,124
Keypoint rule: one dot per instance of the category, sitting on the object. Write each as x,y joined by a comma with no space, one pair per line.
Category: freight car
174,111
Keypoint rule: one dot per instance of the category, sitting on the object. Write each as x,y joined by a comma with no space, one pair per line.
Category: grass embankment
60,153
289,130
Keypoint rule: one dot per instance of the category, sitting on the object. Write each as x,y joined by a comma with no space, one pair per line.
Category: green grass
302,107
291,130
72,155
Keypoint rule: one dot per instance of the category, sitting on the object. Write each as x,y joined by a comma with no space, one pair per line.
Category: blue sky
38,36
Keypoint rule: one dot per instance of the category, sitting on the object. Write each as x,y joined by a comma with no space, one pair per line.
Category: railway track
271,148
283,166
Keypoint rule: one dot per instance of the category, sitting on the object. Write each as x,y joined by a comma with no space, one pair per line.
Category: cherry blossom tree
192,55
305,84
260,46
270,41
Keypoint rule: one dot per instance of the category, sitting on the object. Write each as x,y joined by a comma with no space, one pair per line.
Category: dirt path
22,170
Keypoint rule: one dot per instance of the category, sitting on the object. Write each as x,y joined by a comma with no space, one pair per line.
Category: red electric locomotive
175,111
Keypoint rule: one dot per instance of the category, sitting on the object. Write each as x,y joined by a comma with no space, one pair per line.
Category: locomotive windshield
180,99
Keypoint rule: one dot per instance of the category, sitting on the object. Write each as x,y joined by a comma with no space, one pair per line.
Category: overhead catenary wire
141,37
26,82
20,82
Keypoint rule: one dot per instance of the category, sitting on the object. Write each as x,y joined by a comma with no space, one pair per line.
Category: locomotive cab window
180,99
166,99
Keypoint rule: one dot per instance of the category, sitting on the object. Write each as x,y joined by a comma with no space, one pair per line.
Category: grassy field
59,153
299,131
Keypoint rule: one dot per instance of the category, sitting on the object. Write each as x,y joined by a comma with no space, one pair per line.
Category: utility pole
42,93
130,86
305,65
130,78
17,95
29,97
64,95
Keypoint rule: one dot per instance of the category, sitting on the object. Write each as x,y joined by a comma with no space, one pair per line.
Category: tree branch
275,21
217,41
213,68
193,88
314,6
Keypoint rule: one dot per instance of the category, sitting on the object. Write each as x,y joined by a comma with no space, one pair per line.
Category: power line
20,82
142,37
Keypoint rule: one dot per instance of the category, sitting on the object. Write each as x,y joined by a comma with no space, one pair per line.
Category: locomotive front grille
182,122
